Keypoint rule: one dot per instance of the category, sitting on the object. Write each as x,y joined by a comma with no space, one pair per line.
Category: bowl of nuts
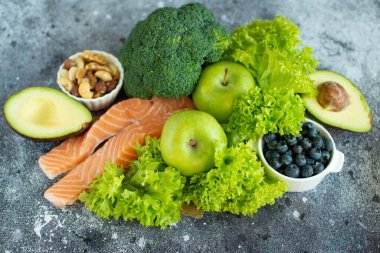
92,77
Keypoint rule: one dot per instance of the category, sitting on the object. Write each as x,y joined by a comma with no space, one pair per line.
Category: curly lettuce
237,184
150,192
270,50
257,112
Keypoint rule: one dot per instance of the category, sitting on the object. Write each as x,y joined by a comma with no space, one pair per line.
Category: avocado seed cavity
332,96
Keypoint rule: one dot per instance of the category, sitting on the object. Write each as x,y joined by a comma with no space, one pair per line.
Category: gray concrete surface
341,215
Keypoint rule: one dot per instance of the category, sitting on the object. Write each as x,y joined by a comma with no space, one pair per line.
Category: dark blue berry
271,154
290,140
306,144
281,147
318,142
292,170
308,126
325,157
300,160
269,137
328,145
289,152
315,153
299,139
272,145
312,133
310,161
297,149
275,164
307,171
286,159
318,168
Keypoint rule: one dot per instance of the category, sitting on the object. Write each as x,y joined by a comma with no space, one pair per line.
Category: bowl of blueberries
300,161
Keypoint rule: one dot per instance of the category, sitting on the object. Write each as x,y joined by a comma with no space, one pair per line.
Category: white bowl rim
326,171
106,96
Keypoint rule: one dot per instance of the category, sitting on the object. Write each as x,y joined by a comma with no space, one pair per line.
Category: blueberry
310,161
299,139
318,142
292,170
286,159
275,164
308,126
271,154
318,168
290,140
306,144
300,160
315,153
281,147
297,149
328,145
272,145
312,133
269,137
307,171
289,152
325,157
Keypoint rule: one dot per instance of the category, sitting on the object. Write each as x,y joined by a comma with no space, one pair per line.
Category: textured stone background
342,214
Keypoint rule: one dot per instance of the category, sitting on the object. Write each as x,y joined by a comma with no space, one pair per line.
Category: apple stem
225,77
192,143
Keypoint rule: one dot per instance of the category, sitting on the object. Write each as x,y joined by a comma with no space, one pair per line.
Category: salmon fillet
74,150
118,149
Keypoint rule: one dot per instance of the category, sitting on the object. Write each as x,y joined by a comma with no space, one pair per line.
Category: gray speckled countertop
341,214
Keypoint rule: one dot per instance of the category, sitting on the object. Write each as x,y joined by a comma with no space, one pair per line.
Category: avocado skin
357,117
84,127
59,138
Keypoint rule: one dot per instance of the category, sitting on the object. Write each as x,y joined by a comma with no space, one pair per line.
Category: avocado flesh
44,113
356,117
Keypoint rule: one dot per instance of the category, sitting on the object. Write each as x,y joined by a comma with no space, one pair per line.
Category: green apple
189,141
218,86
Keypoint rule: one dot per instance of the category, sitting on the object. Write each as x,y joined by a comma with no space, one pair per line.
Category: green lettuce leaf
270,50
238,184
257,112
150,192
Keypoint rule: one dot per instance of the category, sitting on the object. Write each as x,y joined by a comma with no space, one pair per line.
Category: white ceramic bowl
94,104
305,184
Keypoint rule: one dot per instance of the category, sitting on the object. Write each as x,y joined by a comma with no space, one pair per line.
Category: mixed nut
88,76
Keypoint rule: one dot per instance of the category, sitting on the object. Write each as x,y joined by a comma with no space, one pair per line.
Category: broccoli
164,54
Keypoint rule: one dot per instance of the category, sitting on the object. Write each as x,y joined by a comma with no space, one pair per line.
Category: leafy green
150,192
257,112
270,50
237,184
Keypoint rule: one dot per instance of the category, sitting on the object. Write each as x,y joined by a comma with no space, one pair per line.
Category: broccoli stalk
164,54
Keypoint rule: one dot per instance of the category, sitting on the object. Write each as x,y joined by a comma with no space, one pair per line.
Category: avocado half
43,113
349,111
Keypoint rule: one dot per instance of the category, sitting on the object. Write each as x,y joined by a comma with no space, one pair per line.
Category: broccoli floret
164,54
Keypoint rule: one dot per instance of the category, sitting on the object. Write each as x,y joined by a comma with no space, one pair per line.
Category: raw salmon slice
119,150
74,150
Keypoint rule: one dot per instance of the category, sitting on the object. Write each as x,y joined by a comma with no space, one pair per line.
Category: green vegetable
237,185
258,112
164,53
270,50
150,191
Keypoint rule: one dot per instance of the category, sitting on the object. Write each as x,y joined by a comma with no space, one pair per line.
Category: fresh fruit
190,141
339,102
307,171
219,85
44,113
292,170
304,158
